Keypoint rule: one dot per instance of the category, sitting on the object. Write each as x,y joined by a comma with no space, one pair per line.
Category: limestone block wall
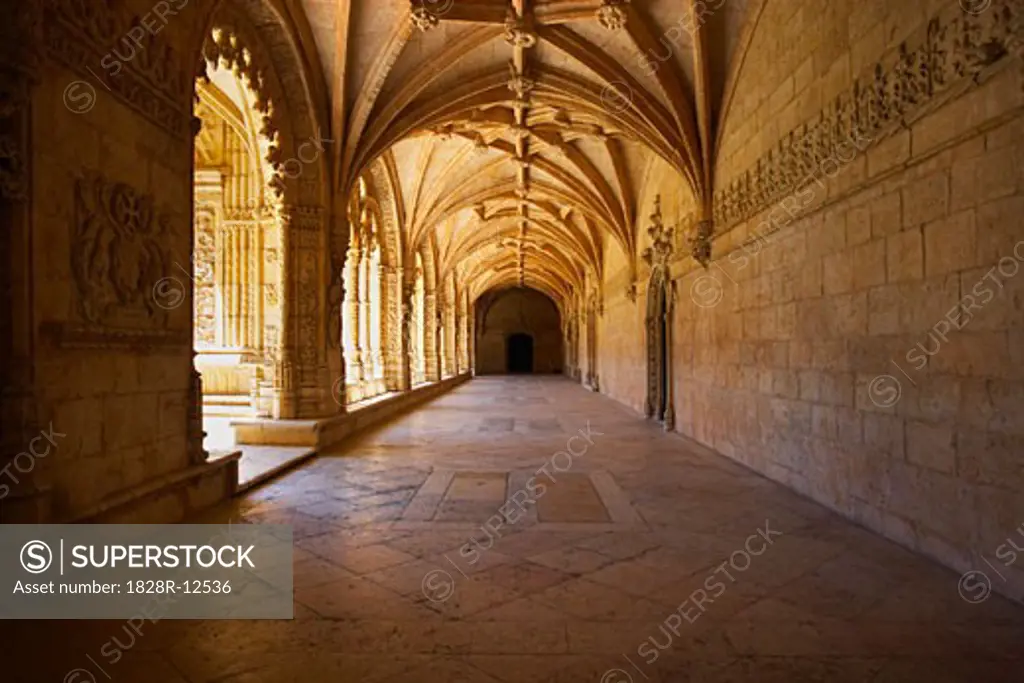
111,240
867,348
102,294
515,311
622,336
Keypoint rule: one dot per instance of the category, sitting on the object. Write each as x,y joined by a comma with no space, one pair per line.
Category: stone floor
629,556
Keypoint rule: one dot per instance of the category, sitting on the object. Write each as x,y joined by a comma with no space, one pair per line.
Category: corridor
629,555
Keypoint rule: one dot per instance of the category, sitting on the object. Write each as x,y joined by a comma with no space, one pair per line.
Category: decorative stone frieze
952,48
149,76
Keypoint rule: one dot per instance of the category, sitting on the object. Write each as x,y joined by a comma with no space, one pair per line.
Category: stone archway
382,188
236,303
254,40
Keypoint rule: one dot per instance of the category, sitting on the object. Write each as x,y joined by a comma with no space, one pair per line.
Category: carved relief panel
120,256
205,290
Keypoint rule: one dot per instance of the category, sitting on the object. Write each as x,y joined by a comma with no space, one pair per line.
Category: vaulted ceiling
520,132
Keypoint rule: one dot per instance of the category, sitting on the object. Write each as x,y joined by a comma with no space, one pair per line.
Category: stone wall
111,229
860,337
518,311
622,339
103,290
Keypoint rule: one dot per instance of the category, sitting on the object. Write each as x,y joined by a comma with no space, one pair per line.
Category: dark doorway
520,353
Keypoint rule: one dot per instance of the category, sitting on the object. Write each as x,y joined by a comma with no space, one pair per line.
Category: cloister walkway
627,555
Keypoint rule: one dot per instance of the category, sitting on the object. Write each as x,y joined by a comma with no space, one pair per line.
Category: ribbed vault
519,133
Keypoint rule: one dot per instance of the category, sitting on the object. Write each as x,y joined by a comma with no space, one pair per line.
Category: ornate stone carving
422,17
149,75
119,255
408,298
518,32
700,242
658,254
229,46
612,14
205,291
520,83
304,224
951,49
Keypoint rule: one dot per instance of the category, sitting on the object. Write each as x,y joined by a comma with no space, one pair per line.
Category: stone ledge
275,471
169,498
328,431
266,432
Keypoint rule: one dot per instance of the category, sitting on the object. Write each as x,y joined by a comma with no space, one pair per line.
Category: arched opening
365,313
519,354
260,272
236,302
518,330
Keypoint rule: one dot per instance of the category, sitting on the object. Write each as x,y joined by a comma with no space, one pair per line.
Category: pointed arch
264,43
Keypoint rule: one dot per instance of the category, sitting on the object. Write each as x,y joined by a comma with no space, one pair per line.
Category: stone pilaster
365,348
353,351
407,347
432,346
444,328
392,344
299,378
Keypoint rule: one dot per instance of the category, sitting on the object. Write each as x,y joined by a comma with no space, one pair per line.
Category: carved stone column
470,337
452,328
194,433
336,310
407,347
442,339
432,346
299,377
353,308
365,349
457,346
26,495
393,345
464,361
